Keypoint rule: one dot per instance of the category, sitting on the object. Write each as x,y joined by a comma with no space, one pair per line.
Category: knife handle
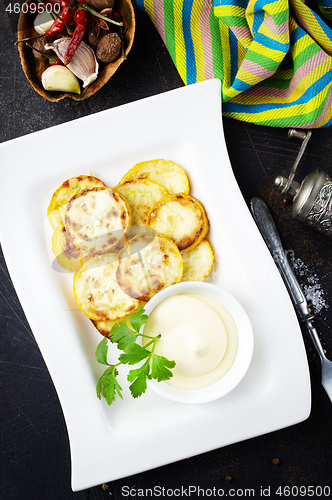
268,229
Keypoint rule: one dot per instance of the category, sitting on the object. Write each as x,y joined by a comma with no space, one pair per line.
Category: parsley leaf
160,368
137,319
110,383
138,378
101,352
124,336
134,354
154,367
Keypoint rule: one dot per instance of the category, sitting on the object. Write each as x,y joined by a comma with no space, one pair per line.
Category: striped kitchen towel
274,58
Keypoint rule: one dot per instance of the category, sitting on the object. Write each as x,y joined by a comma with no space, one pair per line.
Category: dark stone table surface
35,459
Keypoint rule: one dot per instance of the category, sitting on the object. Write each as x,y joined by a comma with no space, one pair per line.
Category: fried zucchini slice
154,263
197,263
104,327
181,218
97,292
164,172
141,195
96,220
67,190
68,256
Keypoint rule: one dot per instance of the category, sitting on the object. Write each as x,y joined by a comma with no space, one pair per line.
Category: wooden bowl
33,68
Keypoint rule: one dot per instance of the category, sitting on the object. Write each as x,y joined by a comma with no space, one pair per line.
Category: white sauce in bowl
198,333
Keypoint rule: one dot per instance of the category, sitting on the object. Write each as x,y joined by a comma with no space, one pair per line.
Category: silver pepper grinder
312,199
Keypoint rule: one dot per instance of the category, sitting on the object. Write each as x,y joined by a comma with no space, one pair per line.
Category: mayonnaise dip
198,333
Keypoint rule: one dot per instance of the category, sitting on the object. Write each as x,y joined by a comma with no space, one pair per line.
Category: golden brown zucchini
181,218
68,256
97,292
153,264
96,220
141,195
197,263
65,192
164,172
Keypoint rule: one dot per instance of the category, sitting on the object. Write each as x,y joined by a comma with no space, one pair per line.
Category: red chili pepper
81,22
62,21
56,62
89,9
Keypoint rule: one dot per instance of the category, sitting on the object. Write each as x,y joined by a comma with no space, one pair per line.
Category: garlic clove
43,22
83,64
60,78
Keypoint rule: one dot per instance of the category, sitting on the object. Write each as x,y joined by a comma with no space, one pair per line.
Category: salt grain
313,290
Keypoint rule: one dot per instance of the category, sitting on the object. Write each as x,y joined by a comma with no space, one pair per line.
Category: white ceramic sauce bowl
244,352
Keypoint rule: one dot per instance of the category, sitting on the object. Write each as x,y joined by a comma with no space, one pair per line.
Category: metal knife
267,227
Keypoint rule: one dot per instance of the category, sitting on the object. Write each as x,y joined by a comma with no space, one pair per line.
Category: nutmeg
99,5
108,48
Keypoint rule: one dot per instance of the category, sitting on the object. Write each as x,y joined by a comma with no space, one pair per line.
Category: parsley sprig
154,367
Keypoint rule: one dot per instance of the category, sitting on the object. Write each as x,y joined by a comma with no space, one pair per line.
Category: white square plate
183,125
